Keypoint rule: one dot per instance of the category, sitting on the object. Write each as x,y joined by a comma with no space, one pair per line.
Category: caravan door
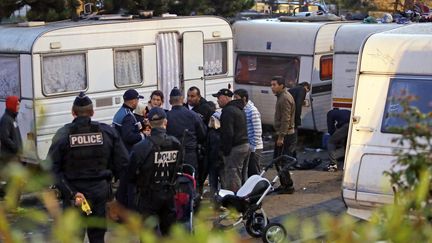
193,61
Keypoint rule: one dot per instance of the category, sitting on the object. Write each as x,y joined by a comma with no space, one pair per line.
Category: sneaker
331,168
283,190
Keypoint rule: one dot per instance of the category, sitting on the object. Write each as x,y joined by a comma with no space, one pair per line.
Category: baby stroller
185,188
248,202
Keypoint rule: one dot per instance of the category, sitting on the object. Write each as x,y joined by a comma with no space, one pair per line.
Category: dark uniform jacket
141,167
299,95
70,156
179,119
233,126
10,137
127,125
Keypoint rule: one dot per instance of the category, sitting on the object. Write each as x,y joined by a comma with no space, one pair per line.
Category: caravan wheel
274,233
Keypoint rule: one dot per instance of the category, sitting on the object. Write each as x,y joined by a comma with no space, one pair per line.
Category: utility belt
158,186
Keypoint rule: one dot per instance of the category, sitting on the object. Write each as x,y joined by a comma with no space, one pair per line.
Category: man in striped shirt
254,130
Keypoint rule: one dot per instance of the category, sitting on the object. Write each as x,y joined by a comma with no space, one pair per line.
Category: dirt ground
311,187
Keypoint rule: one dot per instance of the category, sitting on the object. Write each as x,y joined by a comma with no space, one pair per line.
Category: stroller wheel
274,233
255,224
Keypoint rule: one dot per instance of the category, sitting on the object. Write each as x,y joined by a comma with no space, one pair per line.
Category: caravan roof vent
168,15
115,17
307,17
31,24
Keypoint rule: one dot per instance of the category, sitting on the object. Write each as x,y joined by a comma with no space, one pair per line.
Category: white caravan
48,65
297,51
390,62
348,41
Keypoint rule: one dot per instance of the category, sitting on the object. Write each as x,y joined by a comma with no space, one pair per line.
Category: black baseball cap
225,92
132,94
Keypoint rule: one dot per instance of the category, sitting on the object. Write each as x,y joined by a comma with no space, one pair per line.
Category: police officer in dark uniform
186,126
153,168
85,156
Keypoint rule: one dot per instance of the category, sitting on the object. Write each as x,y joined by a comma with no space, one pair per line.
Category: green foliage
67,225
54,10
7,7
49,10
184,7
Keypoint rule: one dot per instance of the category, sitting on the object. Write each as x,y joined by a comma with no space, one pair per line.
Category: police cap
131,94
82,100
175,92
156,113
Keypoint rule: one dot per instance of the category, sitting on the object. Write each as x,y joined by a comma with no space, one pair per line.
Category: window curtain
9,77
64,73
128,67
213,59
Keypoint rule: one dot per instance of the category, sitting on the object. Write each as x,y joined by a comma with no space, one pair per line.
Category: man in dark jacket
337,125
185,123
336,119
202,107
85,155
198,104
299,94
10,137
235,143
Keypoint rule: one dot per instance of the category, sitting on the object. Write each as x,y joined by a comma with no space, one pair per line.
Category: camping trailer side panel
348,40
15,79
391,63
265,48
92,56
320,96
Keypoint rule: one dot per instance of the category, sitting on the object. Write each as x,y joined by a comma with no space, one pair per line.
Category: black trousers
288,147
159,203
97,194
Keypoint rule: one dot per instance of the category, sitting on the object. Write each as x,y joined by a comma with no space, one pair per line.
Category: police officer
153,168
85,156
125,122
129,129
181,119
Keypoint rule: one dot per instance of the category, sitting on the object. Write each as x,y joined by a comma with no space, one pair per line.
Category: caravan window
258,70
215,58
9,76
64,73
400,88
128,67
326,67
